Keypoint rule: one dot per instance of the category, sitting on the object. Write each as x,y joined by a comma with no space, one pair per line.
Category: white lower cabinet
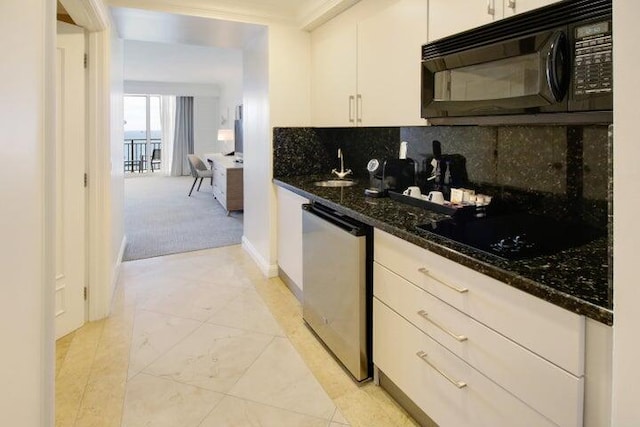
447,389
290,238
552,332
456,325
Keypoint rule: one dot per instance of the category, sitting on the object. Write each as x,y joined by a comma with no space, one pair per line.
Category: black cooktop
515,236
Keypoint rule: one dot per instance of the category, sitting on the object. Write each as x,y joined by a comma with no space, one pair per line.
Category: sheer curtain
183,140
167,124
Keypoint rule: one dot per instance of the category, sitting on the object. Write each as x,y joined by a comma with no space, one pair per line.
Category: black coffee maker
447,170
391,174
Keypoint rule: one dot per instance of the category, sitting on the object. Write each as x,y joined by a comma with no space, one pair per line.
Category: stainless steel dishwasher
337,286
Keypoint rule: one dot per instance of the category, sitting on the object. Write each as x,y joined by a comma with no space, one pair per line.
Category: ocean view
141,134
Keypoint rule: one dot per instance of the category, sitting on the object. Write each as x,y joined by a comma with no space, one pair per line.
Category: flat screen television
238,142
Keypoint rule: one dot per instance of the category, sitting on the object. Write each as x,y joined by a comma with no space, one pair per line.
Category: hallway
203,339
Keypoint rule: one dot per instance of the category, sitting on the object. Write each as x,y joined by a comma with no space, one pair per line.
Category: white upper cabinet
448,17
513,7
389,52
366,65
333,72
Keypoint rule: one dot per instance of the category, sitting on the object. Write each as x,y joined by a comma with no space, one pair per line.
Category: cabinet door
389,46
448,17
513,7
333,73
290,234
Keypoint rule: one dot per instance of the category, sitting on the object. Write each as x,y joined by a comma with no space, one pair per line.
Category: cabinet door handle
511,4
425,315
351,102
460,384
455,288
491,9
359,108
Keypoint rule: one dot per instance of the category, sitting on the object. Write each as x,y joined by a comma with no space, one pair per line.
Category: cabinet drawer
548,330
220,176
529,377
418,365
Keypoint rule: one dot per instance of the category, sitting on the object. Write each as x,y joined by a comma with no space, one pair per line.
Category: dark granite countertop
575,279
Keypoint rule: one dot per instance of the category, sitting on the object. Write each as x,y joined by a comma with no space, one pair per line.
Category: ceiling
162,27
165,47
188,40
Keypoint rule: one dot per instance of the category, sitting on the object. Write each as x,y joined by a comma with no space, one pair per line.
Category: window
142,132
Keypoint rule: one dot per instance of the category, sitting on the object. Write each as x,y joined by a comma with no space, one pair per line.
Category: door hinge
86,60
86,180
86,291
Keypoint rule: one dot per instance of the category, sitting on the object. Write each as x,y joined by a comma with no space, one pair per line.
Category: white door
70,169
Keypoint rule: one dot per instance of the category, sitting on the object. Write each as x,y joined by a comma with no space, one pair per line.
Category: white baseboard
269,270
116,268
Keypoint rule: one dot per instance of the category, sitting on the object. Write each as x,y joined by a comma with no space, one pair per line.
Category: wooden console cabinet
227,182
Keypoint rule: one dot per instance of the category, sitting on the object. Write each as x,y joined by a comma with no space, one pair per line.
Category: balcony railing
136,155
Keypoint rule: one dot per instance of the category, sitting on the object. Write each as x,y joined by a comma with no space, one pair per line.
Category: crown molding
314,15
321,12
216,10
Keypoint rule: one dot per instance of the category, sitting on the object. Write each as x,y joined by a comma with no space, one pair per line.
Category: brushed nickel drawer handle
455,288
422,355
351,106
457,337
491,8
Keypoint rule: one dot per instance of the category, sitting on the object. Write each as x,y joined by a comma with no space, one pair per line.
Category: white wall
171,88
206,120
117,155
626,345
231,95
276,93
27,120
257,153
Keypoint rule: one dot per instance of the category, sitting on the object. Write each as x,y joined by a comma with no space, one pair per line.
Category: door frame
70,308
93,16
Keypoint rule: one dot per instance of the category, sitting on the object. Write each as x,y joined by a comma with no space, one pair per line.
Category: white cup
413,191
436,197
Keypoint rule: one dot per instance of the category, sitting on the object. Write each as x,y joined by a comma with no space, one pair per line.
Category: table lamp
225,136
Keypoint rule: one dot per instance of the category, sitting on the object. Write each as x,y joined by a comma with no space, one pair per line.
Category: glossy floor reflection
203,339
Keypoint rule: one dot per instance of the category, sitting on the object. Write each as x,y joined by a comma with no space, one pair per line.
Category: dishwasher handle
349,225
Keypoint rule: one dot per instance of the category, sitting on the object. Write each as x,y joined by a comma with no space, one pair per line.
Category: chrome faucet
342,173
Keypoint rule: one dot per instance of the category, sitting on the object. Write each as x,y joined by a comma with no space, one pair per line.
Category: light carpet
160,218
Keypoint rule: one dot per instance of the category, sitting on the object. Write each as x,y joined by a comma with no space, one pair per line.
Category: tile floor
203,339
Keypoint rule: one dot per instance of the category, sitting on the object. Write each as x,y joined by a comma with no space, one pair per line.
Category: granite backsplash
561,171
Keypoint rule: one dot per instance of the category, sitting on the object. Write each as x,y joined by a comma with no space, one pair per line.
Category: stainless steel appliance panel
335,286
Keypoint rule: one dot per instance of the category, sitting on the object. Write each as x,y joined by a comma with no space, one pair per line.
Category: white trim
211,10
47,340
115,275
318,14
92,15
99,167
269,270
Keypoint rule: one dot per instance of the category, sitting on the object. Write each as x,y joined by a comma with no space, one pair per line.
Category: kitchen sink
335,183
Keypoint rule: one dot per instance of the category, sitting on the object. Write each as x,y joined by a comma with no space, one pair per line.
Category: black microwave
549,65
